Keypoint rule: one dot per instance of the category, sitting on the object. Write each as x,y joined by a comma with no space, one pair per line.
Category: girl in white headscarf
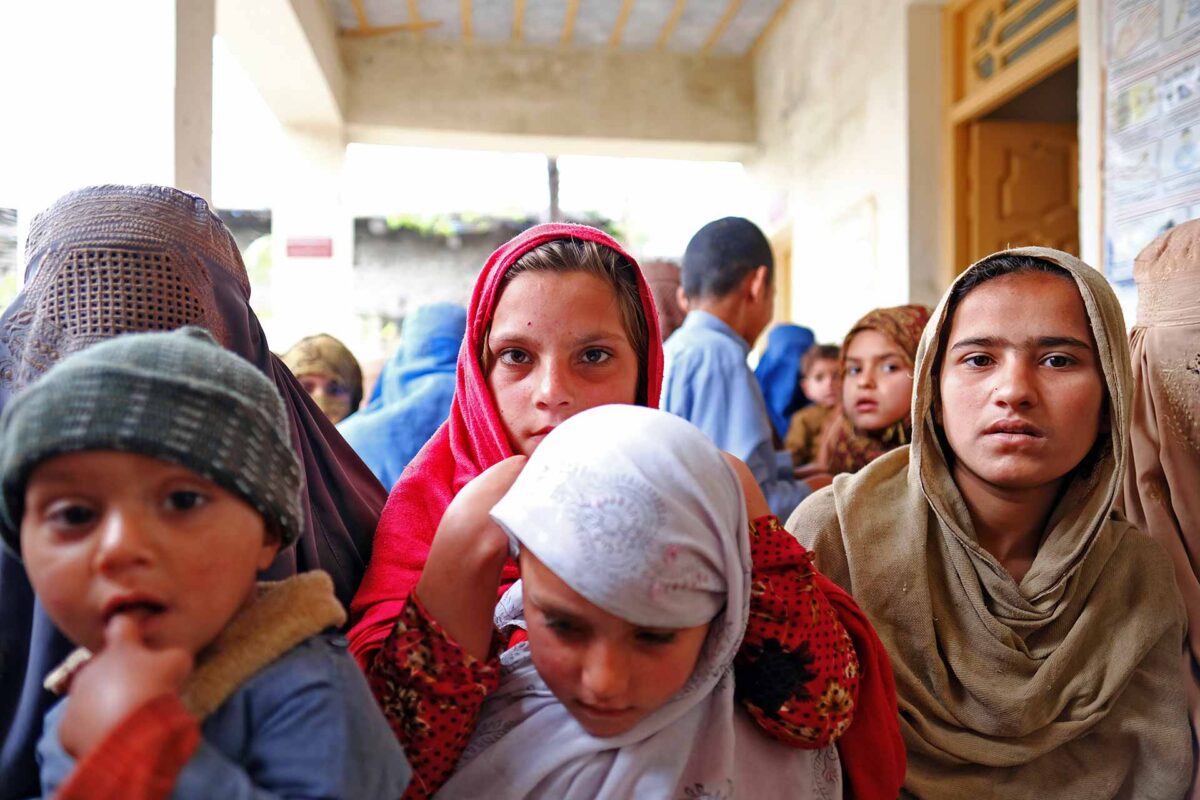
635,553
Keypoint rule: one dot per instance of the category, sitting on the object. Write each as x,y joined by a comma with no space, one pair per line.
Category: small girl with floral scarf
877,387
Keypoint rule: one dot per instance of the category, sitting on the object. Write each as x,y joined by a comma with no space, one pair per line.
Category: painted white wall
848,109
581,101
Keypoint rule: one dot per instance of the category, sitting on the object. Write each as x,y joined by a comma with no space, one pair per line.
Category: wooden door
1023,186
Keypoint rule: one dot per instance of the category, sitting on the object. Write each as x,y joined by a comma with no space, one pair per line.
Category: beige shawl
1162,484
1066,685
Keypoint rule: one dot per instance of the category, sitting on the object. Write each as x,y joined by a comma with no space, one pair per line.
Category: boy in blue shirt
729,282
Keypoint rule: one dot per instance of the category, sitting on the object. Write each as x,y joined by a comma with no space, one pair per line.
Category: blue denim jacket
304,726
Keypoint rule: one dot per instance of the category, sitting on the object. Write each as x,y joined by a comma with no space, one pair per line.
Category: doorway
1012,169
1023,170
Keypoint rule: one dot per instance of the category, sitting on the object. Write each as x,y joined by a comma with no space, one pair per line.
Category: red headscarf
469,442
872,749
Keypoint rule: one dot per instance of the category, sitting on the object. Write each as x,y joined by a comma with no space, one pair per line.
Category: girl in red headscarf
562,320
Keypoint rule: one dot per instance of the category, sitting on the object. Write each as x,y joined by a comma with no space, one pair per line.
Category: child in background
778,373
635,540
821,382
877,385
330,374
145,481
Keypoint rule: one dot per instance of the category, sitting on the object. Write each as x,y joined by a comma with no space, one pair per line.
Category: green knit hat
176,396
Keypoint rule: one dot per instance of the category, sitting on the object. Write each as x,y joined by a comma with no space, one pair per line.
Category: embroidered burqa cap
414,392
636,510
108,260
430,339
1067,684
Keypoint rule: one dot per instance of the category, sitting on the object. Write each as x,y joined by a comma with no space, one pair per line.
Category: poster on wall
10,275
1152,140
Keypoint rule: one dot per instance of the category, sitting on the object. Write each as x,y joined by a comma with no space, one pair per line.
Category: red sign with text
310,247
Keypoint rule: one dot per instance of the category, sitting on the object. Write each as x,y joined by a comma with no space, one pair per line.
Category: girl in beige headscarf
1162,483
1035,636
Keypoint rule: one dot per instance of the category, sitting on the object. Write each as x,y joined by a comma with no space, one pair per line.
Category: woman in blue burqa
778,373
412,397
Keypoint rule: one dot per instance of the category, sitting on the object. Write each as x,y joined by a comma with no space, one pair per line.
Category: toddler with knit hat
144,482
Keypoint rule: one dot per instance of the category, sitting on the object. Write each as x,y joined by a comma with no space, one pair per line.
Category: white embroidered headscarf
638,512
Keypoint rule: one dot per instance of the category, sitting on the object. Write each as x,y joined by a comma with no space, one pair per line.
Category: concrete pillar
1091,131
923,87
312,240
113,92
195,24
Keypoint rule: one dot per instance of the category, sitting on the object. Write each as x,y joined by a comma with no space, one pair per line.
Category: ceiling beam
297,67
779,14
464,14
668,27
569,22
518,30
565,99
414,19
715,36
361,13
401,27
618,31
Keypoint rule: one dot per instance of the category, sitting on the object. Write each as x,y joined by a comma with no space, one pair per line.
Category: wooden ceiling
703,27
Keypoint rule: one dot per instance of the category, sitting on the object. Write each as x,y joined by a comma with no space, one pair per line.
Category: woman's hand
809,470
819,481
117,681
459,582
814,476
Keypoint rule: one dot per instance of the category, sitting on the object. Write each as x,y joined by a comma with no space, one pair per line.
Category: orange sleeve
141,757
797,671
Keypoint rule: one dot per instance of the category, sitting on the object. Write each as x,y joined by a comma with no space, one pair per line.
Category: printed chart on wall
1152,174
